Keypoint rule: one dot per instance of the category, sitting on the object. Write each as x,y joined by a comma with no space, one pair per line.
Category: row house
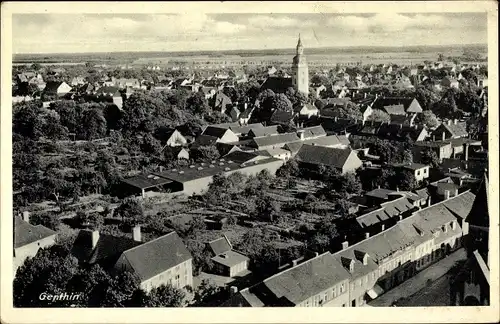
358,274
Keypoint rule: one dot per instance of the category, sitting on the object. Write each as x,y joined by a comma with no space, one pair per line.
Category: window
418,173
353,303
343,305
334,292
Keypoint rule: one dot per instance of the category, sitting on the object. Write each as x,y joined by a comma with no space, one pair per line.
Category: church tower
300,72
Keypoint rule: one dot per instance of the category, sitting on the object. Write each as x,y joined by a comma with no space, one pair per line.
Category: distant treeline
131,56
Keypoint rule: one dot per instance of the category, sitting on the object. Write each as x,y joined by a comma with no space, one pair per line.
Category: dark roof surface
156,256
25,233
323,155
219,246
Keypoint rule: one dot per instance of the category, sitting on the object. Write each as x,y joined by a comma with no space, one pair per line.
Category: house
208,92
280,117
409,105
126,83
471,285
317,89
195,178
172,137
420,171
344,160
318,282
93,247
335,141
76,81
307,110
56,88
403,120
448,82
449,130
223,135
109,94
164,260
277,84
396,132
28,239
443,150
177,152
227,262
263,131
221,102
395,110
273,141
311,132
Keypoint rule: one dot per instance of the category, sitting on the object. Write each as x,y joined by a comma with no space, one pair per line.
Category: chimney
429,201
400,217
301,134
26,216
161,168
294,263
382,227
136,233
345,245
233,290
95,238
397,189
444,136
449,122
433,138
456,192
366,94
378,186
446,194
367,235
455,121
453,225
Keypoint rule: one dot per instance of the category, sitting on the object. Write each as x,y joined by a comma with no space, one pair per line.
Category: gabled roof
277,84
108,90
395,109
456,130
264,131
327,156
306,279
479,214
108,247
25,233
279,139
156,256
219,246
240,157
387,211
327,141
315,131
281,117
215,131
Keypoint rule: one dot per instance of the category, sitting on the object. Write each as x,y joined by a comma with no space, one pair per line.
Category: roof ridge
294,267
145,243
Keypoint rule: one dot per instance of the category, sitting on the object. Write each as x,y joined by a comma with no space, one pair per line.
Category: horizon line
255,49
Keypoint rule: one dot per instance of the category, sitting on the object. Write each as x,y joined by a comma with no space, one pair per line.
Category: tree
165,296
429,156
429,119
92,220
130,210
318,242
27,120
113,117
348,110
280,102
345,183
201,260
56,186
206,292
404,180
120,289
49,270
206,153
93,124
150,145
197,104
48,219
379,116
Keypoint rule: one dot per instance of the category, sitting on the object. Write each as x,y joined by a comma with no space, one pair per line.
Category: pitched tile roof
388,210
277,84
323,155
279,139
264,131
108,247
219,246
306,279
156,256
461,205
327,141
456,130
215,131
144,181
314,131
395,109
25,233
245,129
230,258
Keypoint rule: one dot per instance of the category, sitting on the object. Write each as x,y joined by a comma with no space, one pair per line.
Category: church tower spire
300,76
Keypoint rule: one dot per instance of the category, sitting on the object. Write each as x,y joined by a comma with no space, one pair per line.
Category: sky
76,33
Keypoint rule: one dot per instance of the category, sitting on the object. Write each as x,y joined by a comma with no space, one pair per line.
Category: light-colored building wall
179,276
30,250
421,174
335,296
352,163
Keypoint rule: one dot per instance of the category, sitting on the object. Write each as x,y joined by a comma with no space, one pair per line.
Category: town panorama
272,178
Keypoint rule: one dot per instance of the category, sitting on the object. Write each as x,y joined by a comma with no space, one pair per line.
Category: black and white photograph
251,159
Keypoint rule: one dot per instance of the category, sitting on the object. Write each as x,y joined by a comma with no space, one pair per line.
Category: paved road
437,294
419,281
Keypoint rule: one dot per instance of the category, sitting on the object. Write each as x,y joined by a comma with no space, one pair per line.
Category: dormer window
453,225
351,266
445,228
